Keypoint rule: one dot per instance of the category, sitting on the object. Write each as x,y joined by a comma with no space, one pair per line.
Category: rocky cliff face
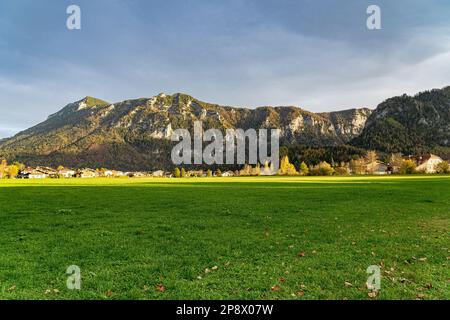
135,134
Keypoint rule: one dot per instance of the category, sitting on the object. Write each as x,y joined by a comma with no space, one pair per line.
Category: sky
316,54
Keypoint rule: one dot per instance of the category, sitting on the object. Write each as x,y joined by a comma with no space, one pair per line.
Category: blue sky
315,54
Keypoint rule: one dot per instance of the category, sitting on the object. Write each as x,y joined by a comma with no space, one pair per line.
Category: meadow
226,238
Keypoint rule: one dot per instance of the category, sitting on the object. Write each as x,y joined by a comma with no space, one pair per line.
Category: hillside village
367,165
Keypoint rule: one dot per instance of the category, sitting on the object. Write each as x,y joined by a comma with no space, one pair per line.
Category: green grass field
259,238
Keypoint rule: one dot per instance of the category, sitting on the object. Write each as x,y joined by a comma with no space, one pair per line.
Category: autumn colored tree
246,171
13,171
256,171
443,167
342,169
183,173
322,169
177,173
3,169
357,166
371,156
20,165
395,161
370,159
218,173
287,168
209,173
408,167
303,170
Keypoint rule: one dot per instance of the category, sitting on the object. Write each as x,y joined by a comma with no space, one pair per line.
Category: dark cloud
316,54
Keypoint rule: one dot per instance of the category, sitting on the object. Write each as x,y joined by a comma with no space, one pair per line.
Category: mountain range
135,134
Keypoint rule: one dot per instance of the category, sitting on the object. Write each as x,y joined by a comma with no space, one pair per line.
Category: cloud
316,55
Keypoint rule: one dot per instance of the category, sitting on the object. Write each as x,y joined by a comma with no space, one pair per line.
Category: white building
67,173
428,163
158,173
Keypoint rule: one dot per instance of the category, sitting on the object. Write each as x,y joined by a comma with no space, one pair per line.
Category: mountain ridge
409,124
135,134
127,134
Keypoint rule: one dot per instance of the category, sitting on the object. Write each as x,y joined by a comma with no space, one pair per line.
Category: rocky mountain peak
90,102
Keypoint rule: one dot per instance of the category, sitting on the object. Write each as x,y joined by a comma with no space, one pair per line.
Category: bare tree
370,160
396,161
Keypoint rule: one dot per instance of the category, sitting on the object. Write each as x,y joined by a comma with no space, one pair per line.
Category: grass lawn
259,238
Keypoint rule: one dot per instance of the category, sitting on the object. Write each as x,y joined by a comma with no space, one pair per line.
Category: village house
87,173
228,174
427,163
108,173
50,172
119,173
67,173
158,173
36,174
31,173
